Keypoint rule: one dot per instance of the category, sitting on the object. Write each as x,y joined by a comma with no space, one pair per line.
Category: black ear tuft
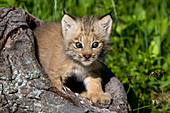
110,13
64,12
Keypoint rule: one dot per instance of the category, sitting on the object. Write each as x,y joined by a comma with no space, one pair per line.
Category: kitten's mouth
87,62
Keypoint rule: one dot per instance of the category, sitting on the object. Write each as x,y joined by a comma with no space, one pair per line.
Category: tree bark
24,85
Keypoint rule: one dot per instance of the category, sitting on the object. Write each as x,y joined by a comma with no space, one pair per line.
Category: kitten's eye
95,44
78,45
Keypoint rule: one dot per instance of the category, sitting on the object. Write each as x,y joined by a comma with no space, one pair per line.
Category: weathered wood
24,86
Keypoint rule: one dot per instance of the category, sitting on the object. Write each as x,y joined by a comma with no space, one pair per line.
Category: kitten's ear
67,23
105,23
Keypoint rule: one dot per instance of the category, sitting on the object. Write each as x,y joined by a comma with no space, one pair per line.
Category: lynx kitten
76,47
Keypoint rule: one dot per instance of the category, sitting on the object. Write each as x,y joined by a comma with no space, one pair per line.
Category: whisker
99,63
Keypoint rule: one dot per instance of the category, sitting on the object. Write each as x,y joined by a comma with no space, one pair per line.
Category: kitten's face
86,38
86,49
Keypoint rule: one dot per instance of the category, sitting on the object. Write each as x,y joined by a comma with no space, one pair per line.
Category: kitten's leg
56,80
95,92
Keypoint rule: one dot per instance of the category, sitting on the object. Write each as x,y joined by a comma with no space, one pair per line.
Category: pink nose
87,56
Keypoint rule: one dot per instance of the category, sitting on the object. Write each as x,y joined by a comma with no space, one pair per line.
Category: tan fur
59,55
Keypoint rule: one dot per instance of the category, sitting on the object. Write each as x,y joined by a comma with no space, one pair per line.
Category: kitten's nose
87,56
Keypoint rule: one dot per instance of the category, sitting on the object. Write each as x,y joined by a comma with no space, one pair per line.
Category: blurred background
140,53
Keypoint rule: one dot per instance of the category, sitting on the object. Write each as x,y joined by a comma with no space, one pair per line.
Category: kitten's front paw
103,98
84,94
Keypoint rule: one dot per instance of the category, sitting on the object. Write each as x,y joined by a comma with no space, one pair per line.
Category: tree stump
24,85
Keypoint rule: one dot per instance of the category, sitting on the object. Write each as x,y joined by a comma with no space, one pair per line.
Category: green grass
141,43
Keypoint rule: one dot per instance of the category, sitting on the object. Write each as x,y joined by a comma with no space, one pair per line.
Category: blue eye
78,45
95,44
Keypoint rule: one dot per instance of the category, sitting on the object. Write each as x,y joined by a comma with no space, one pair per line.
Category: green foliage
141,43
